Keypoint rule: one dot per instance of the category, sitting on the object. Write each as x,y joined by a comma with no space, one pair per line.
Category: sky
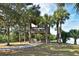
71,23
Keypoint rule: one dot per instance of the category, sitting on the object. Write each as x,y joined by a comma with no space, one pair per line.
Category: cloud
71,24
47,8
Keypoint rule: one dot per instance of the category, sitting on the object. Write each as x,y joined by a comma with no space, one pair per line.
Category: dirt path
15,46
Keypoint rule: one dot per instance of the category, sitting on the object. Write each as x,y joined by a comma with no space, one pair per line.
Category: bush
39,36
33,36
13,37
52,37
3,38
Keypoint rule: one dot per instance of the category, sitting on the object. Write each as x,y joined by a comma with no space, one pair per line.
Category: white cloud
71,24
47,8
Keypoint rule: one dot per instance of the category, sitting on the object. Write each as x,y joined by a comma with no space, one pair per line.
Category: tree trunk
64,40
8,33
46,33
25,34
46,38
49,29
60,29
75,42
30,33
19,35
24,37
58,33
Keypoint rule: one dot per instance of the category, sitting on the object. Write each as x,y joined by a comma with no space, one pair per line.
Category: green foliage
13,37
60,15
52,37
20,16
3,38
74,33
64,36
32,35
39,36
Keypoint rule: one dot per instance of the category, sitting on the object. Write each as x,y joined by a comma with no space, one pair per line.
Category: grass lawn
53,49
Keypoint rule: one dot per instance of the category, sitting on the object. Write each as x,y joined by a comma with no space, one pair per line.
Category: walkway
19,47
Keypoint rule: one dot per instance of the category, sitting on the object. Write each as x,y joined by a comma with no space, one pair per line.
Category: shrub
52,37
3,38
39,36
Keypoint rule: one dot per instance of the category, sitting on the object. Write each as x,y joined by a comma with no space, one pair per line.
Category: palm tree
59,6
46,22
59,16
74,34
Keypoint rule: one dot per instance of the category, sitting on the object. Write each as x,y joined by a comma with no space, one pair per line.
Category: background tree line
16,20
